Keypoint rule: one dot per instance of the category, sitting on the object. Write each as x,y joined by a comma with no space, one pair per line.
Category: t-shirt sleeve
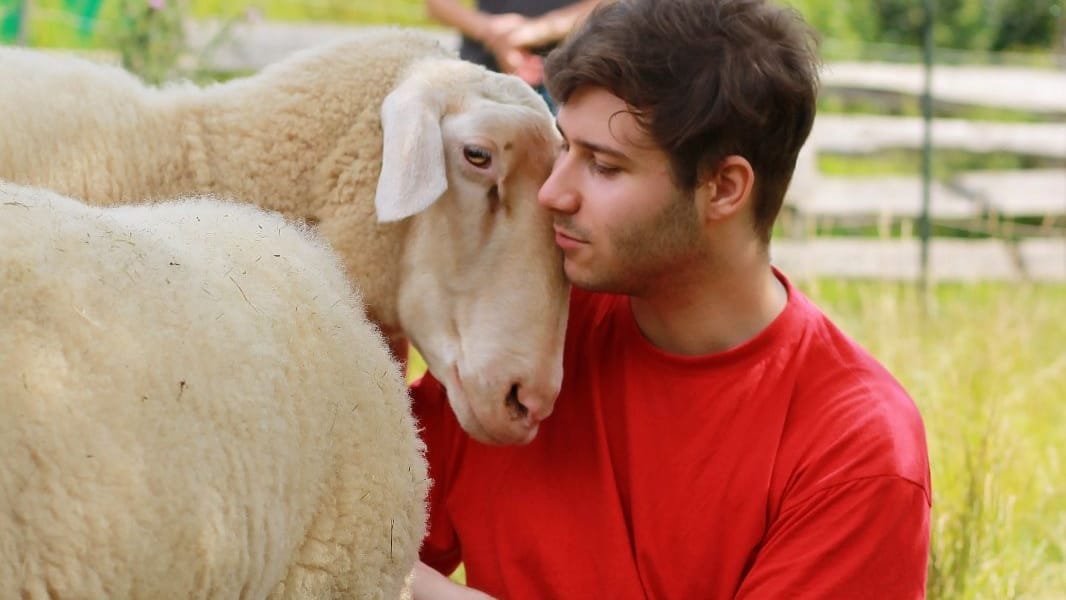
440,549
867,538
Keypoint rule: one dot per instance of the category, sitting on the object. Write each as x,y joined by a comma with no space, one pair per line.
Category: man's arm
490,31
550,27
484,28
867,538
454,14
519,31
511,37
440,547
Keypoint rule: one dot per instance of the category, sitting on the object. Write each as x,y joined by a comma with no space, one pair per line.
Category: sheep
420,169
194,406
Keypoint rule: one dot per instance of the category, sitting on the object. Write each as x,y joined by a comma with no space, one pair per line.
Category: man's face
623,225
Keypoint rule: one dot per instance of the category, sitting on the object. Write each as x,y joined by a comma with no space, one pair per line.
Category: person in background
511,36
716,435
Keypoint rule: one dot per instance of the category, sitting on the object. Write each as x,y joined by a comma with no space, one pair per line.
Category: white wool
195,406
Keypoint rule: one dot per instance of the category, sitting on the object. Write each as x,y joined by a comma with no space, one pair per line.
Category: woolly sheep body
306,137
195,406
94,132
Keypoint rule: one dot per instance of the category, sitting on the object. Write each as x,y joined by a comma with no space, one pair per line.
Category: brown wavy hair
706,79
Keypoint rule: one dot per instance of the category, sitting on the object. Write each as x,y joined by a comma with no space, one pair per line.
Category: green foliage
70,23
152,43
10,11
983,25
67,23
151,39
397,12
865,29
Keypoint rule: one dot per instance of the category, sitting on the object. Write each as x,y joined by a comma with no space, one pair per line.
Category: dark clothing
475,52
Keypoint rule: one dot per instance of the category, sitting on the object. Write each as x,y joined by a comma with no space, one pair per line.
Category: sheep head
482,293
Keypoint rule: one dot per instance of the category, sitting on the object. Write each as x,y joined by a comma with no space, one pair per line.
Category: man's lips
567,241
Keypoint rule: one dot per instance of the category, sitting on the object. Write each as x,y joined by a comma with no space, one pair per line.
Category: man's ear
727,189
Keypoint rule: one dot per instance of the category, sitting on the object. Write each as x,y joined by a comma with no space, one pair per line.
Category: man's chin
584,281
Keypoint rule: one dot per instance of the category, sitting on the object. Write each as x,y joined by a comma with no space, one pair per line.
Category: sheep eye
477,156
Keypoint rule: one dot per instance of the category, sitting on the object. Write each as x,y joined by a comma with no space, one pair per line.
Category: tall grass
986,365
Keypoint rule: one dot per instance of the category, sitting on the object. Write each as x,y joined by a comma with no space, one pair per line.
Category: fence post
22,32
1060,37
927,142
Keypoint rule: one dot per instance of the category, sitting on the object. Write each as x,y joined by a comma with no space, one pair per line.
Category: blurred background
927,216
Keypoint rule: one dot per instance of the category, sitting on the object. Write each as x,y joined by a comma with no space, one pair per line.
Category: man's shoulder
831,358
849,417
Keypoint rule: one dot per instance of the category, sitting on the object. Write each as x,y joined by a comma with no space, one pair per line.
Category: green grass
946,162
986,365
902,105
862,49
397,12
53,25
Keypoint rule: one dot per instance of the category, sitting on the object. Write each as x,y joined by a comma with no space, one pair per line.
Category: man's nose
555,194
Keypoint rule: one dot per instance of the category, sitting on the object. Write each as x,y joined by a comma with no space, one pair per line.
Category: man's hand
534,33
529,67
494,29
431,585
499,33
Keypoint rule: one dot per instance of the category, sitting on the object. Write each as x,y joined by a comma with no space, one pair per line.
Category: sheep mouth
517,410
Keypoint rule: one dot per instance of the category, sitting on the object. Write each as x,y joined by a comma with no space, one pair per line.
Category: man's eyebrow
591,146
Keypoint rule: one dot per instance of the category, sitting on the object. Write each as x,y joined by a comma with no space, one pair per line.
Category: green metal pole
22,34
1060,42
927,139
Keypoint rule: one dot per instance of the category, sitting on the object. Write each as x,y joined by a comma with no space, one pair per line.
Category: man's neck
715,308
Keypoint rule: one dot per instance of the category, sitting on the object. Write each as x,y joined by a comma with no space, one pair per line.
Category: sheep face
482,293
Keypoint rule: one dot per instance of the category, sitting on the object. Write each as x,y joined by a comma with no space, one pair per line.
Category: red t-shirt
792,466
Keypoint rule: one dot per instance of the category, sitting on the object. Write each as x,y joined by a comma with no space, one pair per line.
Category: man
511,36
716,435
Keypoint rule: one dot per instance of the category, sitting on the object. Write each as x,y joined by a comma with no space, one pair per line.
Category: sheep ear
413,174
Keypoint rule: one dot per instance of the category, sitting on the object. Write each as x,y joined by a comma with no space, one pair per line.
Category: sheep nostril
517,410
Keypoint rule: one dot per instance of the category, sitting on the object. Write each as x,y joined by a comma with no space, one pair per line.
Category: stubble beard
648,254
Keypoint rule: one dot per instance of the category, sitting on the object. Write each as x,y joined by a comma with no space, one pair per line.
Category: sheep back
195,406
92,131
303,136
